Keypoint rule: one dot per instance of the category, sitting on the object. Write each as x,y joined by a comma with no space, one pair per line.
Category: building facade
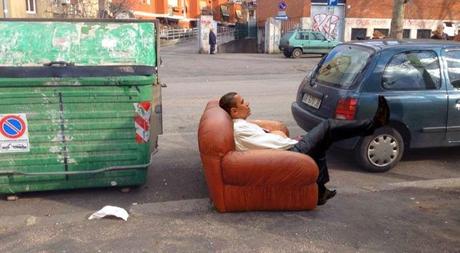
185,13
50,8
421,17
353,19
25,9
181,13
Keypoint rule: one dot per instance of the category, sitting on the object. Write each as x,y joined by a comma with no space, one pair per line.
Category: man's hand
280,133
271,126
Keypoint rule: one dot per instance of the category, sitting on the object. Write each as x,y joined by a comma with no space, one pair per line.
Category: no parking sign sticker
14,135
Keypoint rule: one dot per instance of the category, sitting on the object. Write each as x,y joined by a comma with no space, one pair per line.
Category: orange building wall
415,9
194,8
233,10
156,6
216,9
269,8
161,6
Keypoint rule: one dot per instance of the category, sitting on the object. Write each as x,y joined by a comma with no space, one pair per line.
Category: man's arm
246,138
272,126
280,133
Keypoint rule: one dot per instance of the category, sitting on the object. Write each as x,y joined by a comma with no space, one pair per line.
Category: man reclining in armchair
250,135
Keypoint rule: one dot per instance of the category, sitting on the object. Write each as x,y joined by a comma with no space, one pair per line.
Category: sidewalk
417,220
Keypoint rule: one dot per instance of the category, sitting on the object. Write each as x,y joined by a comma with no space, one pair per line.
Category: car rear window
287,35
285,38
342,65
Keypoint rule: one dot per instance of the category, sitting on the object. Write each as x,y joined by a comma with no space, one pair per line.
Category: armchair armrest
272,125
268,167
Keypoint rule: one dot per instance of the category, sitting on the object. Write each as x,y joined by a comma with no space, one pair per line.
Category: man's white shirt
251,136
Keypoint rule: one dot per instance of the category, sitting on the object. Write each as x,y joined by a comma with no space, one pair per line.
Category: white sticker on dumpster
14,135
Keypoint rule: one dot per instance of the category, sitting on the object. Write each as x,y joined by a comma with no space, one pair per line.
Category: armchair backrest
215,140
215,132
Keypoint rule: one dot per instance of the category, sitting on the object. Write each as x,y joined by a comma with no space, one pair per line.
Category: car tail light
346,108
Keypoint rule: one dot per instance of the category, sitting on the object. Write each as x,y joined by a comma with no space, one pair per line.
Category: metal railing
225,34
178,33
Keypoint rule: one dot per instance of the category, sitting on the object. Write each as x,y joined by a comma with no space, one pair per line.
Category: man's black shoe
382,115
325,196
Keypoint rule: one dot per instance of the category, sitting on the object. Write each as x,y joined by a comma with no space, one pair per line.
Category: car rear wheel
380,151
296,53
287,53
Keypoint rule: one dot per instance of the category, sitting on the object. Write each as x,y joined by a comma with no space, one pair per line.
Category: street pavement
415,207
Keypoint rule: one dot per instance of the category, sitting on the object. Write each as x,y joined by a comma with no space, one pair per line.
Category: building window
224,12
173,3
406,34
423,33
238,14
358,33
383,31
30,6
302,36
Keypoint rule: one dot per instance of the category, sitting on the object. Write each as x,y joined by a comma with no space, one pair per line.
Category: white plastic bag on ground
110,211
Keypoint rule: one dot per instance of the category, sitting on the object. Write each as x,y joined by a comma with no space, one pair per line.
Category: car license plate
311,101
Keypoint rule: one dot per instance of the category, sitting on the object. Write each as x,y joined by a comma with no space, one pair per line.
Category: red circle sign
12,126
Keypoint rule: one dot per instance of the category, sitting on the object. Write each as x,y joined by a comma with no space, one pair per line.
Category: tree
121,6
398,19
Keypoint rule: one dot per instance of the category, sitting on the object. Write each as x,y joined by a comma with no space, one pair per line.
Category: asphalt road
413,208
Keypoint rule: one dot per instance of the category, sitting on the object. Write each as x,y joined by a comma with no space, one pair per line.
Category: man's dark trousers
320,138
212,41
213,48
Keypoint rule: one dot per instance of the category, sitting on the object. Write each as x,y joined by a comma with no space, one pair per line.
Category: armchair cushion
268,168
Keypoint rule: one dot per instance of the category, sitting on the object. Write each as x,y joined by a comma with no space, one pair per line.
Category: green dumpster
80,103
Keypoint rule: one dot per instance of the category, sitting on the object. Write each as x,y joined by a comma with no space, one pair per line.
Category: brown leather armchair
256,179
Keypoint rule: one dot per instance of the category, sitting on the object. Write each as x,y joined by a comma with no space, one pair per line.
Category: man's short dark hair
227,101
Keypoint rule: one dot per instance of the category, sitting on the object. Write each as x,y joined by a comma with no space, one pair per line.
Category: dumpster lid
76,48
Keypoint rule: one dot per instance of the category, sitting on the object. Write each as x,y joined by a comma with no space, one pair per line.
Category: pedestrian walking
212,41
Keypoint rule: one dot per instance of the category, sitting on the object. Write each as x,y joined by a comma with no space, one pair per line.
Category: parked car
419,78
303,41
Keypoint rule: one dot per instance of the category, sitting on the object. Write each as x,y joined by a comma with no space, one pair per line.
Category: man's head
235,105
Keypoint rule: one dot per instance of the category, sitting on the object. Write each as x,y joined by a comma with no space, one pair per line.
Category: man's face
241,109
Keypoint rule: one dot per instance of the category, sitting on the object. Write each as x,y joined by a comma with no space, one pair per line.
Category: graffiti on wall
364,22
205,25
327,25
329,20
